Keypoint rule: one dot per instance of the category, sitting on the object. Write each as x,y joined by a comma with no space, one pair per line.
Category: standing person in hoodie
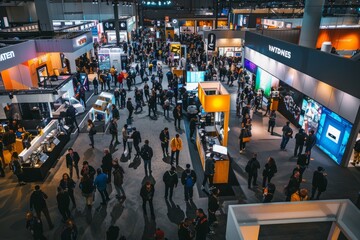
170,179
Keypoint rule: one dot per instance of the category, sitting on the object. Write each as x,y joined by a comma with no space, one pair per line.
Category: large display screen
193,78
104,61
333,134
290,103
250,66
265,81
310,114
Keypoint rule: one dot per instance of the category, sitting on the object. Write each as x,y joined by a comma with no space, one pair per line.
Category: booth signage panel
217,103
211,42
16,54
310,62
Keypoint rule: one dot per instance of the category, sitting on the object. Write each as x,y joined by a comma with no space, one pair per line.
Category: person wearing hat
300,138
319,182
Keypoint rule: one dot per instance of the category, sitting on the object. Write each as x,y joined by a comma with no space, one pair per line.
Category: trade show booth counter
210,138
43,152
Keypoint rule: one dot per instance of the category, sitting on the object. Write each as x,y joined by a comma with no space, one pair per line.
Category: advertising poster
333,134
193,78
211,42
175,50
104,61
250,66
310,114
290,103
265,81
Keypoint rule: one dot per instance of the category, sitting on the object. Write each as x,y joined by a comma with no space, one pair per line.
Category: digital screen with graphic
310,114
193,78
250,66
265,81
333,134
104,61
290,103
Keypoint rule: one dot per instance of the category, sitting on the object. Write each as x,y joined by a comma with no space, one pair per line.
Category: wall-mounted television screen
193,78
265,81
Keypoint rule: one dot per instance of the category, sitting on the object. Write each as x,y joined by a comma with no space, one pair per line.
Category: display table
39,171
222,164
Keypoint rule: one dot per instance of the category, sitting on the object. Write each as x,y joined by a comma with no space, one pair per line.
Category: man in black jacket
319,182
252,169
71,113
146,154
213,206
201,225
293,185
209,171
177,114
136,137
130,108
63,202
188,179
164,139
113,129
184,232
115,112
147,194
37,202
72,161
107,164
170,179
310,143
300,138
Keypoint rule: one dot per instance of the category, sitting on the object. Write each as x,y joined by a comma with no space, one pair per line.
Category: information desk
38,171
222,165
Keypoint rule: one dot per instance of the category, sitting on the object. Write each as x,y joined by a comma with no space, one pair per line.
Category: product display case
101,110
43,152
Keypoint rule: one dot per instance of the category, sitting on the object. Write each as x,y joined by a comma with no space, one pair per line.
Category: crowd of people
146,63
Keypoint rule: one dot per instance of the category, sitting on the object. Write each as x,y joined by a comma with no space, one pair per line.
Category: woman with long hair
68,185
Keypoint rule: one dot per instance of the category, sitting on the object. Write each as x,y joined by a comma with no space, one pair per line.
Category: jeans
147,165
284,141
114,136
212,217
177,152
104,196
76,170
188,193
151,206
252,177
120,189
47,215
91,140
167,188
65,213
165,148
206,177
264,180
71,195
313,191
177,120
298,149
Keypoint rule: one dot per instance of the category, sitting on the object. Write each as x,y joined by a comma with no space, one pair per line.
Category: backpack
188,180
145,153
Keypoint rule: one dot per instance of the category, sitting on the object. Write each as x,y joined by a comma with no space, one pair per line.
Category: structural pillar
42,11
311,23
116,22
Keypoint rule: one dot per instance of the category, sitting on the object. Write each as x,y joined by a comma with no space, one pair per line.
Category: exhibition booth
126,25
311,97
109,56
228,43
212,133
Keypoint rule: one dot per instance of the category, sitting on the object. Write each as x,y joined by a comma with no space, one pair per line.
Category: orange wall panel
341,39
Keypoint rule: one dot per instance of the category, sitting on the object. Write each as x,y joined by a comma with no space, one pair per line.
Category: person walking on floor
293,185
63,203
87,189
100,183
87,169
70,231
164,139
213,206
319,183
287,134
119,180
38,202
68,186
170,179
34,224
201,225
113,129
107,164
146,154
71,114
92,132
130,108
272,122
96,86
136,138
252,169
177,114
184,231
310,143
269,171
125,135
300,138
209,171
176,146
72,161
147,194
188,179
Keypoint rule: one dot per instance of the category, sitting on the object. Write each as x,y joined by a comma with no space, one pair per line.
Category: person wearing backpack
252,169
170,179
146,154
188,179
287,134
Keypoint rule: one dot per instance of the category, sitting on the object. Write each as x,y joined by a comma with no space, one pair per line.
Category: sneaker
202,187
211,233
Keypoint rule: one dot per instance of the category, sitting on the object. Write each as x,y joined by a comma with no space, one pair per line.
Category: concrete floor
14,200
